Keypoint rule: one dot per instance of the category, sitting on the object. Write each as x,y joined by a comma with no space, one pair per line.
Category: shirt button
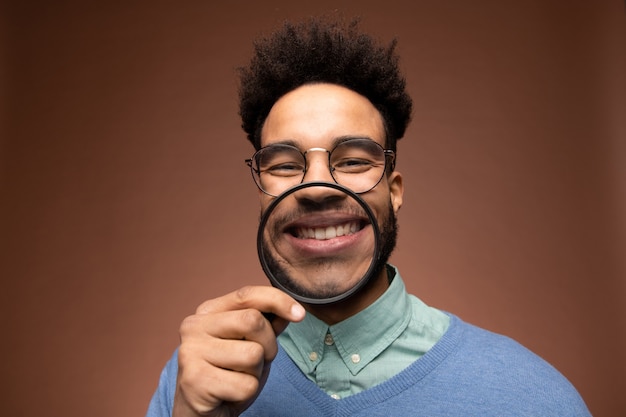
313,356
328,340
356,358
335,396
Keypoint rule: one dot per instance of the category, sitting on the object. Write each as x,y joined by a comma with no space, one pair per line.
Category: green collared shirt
367,348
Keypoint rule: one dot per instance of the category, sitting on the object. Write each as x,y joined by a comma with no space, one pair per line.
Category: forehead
316,115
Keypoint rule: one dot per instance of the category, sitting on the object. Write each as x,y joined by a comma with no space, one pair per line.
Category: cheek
264,200
380,204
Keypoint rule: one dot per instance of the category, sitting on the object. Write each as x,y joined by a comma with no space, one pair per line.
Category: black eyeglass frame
387,153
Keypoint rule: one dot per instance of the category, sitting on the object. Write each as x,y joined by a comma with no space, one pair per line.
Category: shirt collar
360,338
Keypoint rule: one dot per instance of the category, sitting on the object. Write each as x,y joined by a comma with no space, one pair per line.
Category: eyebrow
337,141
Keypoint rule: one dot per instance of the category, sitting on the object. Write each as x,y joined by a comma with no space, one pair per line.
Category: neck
341,310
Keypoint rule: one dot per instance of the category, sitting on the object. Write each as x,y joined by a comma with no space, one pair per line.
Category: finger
263,298
206,386
244,356
242,325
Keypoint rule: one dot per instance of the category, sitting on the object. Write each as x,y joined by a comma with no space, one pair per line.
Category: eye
280,161
285,169
353,165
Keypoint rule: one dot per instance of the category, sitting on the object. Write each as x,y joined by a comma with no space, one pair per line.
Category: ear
396,190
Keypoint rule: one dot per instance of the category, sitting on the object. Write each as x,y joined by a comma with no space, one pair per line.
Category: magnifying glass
319,253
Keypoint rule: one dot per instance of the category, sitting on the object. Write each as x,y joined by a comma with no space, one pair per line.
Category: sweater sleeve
163,398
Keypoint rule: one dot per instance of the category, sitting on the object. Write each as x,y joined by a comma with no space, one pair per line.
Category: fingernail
297,311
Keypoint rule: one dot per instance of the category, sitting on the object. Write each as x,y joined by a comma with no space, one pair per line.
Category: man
311,91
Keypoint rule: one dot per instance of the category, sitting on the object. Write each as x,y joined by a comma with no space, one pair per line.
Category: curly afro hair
322,50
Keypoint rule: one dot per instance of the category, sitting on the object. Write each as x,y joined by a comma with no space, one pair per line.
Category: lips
329,243
323,235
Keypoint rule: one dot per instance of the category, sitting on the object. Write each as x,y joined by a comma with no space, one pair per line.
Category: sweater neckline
404,380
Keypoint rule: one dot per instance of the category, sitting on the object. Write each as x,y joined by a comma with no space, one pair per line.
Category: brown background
125,200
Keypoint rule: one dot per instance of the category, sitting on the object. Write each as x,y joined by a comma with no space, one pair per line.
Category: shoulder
496,350
492,364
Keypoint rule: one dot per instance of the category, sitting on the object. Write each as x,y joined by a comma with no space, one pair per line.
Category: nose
317,196
318,170
317,167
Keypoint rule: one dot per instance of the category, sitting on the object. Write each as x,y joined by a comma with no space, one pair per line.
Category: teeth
329,232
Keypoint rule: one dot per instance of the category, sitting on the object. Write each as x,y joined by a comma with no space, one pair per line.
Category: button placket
331,375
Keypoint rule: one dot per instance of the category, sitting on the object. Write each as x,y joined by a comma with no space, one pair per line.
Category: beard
388,234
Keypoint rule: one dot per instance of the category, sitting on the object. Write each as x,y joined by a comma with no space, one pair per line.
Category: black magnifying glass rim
309,300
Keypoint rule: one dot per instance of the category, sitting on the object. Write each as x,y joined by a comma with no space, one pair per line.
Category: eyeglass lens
358,164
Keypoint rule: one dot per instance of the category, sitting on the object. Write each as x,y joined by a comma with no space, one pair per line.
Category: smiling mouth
327,232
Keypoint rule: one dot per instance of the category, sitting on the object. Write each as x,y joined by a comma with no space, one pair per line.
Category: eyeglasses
358,164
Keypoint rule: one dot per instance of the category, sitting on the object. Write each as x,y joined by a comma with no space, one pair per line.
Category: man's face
320,116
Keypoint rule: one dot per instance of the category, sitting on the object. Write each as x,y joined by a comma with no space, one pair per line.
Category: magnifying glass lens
318,253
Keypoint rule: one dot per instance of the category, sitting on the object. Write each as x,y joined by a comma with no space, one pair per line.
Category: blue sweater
469,372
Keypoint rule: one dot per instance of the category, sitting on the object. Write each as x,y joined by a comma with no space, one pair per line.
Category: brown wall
125,200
